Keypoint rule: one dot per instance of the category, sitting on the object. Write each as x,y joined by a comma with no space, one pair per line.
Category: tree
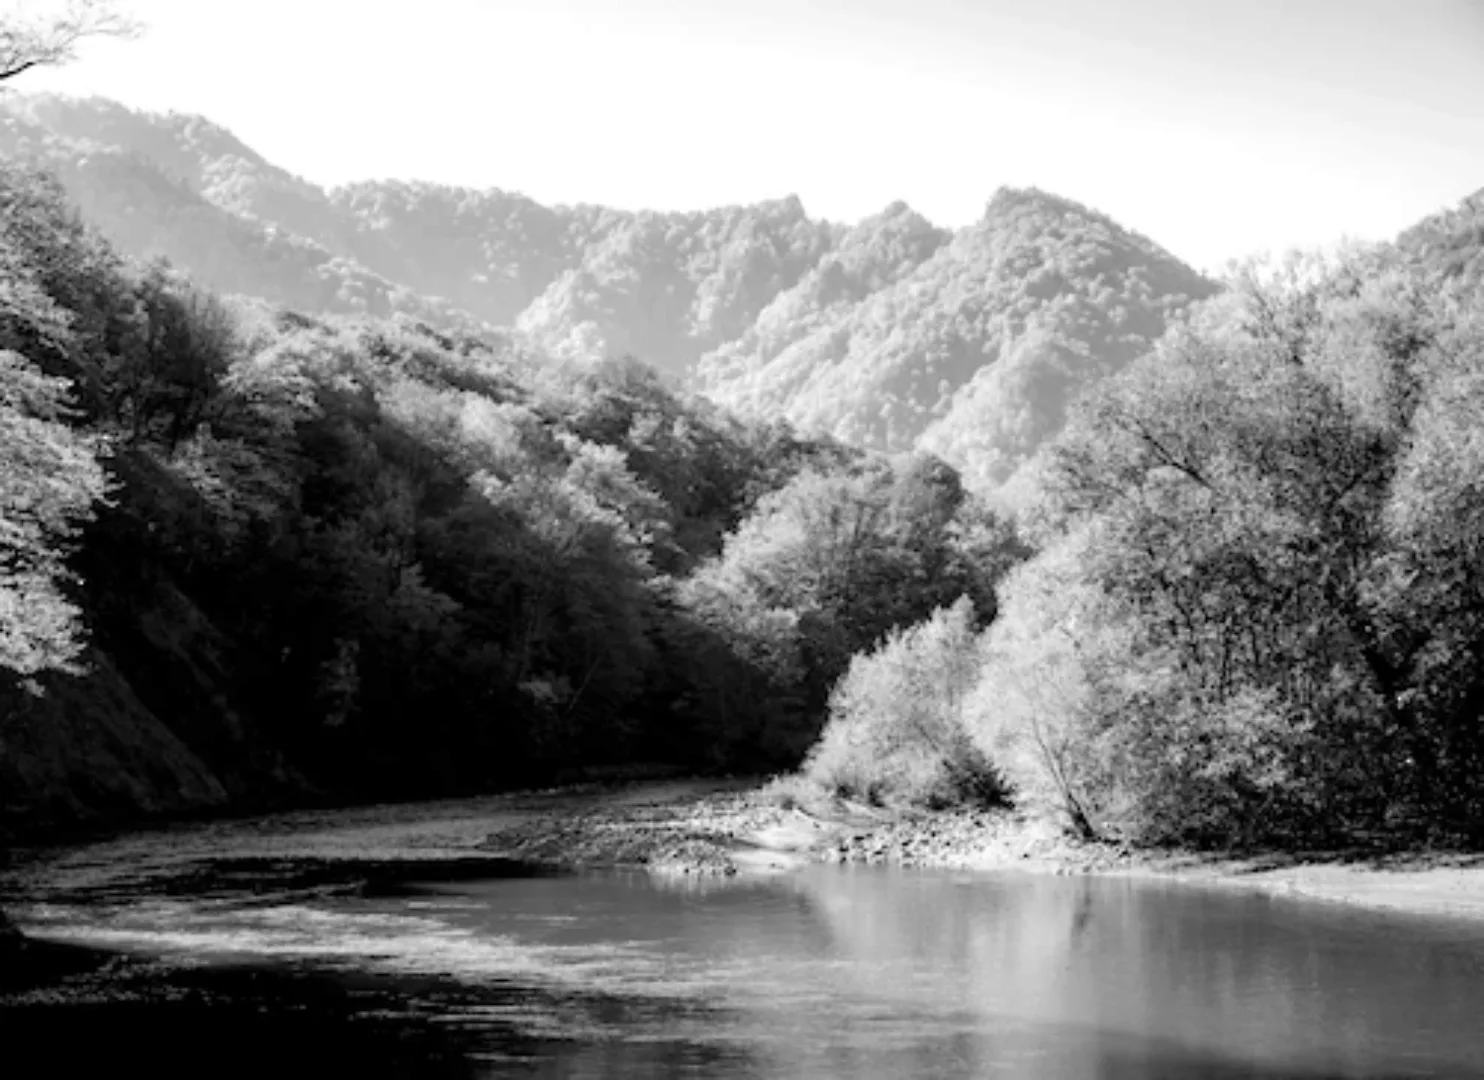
896,731
175,349
28,41
1278,626
49,478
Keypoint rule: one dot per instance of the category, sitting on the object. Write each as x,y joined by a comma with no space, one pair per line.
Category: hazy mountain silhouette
971,346
892,333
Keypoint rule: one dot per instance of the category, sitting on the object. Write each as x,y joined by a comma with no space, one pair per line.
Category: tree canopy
1029,511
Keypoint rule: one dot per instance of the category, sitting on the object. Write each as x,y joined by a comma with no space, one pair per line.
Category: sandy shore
733,829
1430,883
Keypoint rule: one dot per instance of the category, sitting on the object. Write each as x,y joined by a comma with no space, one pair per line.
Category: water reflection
1096,977
867,972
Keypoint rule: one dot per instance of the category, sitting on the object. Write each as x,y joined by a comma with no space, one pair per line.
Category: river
824,972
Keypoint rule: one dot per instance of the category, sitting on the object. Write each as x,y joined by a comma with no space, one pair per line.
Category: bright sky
1216,127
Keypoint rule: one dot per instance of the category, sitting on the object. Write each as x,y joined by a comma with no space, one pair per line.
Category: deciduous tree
49,37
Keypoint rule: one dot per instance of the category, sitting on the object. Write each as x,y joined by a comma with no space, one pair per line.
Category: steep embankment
159,727
93,751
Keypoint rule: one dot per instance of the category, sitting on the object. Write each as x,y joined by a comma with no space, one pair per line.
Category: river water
825,972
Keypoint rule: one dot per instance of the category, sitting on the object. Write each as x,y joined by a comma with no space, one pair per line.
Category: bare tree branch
29,40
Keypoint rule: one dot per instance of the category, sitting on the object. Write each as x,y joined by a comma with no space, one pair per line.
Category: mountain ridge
881,333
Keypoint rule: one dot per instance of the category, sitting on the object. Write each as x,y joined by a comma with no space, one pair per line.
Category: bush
896,734
1034,705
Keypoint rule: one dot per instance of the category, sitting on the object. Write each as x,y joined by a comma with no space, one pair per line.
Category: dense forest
401,490
366,557
1255,612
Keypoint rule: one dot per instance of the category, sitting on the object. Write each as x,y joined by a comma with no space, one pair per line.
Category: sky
1219,129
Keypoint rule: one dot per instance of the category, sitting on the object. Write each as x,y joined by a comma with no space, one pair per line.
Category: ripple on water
589,991
418,943
864,973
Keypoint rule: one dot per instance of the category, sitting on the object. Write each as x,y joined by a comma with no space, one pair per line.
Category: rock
698,857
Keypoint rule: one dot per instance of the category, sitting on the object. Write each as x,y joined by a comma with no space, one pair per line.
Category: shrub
1033,706
895,733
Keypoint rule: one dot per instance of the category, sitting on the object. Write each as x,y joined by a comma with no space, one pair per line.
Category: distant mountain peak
791,205
1008,200
98,118
892,332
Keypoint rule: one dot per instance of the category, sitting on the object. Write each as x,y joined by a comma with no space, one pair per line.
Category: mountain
1078,298
668,287
969,345
1450,243
764,369
360,557
489,252
892,334
182,188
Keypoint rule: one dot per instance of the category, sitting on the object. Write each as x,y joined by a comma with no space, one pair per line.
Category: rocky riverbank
171,1015
687,829
722,830
695,829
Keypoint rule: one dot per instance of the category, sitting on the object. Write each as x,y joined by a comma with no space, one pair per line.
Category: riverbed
430,940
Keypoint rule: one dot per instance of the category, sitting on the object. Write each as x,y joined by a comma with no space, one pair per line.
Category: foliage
896,731
851,556
970,347
1229,614
50,475
378,548
424,563
50,479
1448,247
1030,709
893,334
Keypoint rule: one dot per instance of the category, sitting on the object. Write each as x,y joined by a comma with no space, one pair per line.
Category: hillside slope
891,334
971,347
180,188
1450,244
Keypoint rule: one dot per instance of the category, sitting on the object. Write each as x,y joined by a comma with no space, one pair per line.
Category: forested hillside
1449,245
404,490
187,193
890,334
583,281
972,345
254,554
1256,609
